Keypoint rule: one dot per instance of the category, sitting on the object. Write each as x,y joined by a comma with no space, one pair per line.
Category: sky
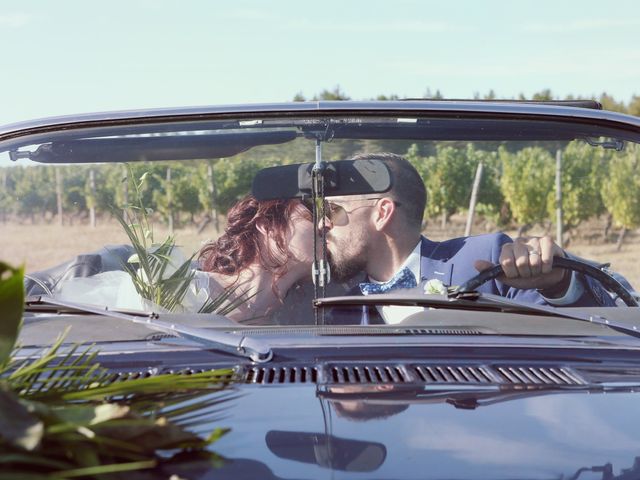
67,57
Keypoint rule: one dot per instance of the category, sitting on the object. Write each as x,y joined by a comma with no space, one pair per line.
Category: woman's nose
324,223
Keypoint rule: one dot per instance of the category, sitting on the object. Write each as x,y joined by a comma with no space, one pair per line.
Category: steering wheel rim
603,277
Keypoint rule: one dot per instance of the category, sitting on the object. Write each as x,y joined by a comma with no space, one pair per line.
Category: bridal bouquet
161,274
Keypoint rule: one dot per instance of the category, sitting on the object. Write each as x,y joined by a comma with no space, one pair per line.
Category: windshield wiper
473,301
227,342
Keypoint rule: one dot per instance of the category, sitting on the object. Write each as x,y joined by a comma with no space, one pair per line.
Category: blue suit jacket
452,262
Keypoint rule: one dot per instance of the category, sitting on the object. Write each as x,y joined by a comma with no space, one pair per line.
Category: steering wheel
599,274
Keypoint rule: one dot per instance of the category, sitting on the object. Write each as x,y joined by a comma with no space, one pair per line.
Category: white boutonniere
435,287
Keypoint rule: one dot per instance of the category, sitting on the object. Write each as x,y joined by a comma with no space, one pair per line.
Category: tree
490,198
35,191
634,106
582,169
187,195
527,180
334,94
233,177
205,184
447,176
7,195
164,196
383,97
621,191
609,103
491,95
434,96
74,199
543,95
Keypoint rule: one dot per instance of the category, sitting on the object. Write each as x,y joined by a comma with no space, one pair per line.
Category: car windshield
233,214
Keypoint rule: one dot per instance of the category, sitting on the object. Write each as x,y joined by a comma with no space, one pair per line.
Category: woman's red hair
242,244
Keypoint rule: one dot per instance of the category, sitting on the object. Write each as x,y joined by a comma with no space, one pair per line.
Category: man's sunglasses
336,212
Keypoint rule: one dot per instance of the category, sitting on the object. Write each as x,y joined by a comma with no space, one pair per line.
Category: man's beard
346,260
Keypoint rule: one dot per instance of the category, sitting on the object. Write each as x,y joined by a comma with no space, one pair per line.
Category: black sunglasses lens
334,211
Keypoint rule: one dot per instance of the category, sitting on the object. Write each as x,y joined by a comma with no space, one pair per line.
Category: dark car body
449,393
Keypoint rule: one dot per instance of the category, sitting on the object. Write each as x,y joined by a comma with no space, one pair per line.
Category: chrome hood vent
455,374
274,375
539,376
413,374
384,373
360,331
367,374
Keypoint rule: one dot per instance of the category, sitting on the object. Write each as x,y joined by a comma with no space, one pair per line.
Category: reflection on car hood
300,432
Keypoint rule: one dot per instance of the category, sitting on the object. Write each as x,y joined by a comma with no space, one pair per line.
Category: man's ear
385,210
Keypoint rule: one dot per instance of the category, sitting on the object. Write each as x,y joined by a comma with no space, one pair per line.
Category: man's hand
528,263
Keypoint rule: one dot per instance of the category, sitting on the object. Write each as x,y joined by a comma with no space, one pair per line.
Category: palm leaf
64,416
69,392
153,260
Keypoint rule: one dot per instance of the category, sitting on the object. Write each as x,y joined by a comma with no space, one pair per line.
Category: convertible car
469,382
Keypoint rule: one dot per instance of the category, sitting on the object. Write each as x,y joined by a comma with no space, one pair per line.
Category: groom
380,235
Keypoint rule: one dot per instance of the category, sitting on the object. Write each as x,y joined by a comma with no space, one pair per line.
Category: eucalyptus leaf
19,427
11,307
152,435
91,415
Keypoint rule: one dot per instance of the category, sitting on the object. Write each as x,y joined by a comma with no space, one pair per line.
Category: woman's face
300,239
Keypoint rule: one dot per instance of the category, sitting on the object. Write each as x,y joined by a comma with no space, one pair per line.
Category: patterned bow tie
403,279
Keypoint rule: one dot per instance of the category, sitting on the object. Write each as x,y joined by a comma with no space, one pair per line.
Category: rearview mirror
344,177
327,451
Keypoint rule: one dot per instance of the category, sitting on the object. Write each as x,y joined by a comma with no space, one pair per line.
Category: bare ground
44,245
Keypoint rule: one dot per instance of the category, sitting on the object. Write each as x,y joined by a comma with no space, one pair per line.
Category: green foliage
34,190
609,103
431,95
335,93
233,179
527,179
448,177
77,197
59,417
634,106
583,169
186,194
543,96
158,271
11,304
204,183
159,278
163,196
7,200
490,198
621,189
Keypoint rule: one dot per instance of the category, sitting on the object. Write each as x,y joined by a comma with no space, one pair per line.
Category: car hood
311,432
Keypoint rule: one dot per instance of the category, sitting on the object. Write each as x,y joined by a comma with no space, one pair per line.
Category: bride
266,248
